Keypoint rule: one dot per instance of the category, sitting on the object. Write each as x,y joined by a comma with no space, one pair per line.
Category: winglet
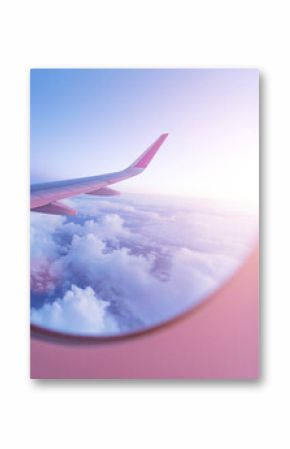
146,157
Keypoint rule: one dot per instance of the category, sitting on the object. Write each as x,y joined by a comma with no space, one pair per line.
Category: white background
152,33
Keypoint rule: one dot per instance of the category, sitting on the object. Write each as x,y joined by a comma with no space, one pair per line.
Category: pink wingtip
144,160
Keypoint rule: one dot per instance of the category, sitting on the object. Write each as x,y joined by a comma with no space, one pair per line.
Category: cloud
122,265
44,249
80,310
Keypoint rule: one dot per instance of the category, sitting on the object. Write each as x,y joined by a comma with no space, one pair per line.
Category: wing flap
104,191
56,208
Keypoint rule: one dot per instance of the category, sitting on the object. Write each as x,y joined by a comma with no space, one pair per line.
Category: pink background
218,340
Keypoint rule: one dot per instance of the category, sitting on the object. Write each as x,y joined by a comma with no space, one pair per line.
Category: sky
89,122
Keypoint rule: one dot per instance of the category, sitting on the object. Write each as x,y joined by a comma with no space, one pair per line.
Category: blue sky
87,122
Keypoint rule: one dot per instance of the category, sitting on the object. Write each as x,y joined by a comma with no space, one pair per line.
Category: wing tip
145,158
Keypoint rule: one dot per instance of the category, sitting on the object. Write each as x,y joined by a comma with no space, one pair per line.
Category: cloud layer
127,263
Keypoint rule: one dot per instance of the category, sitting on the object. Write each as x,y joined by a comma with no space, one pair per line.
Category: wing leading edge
45,197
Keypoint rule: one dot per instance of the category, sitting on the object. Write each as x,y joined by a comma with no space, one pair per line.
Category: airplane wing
45,197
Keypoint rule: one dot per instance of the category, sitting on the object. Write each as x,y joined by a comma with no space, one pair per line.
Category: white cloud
120,272
79,311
